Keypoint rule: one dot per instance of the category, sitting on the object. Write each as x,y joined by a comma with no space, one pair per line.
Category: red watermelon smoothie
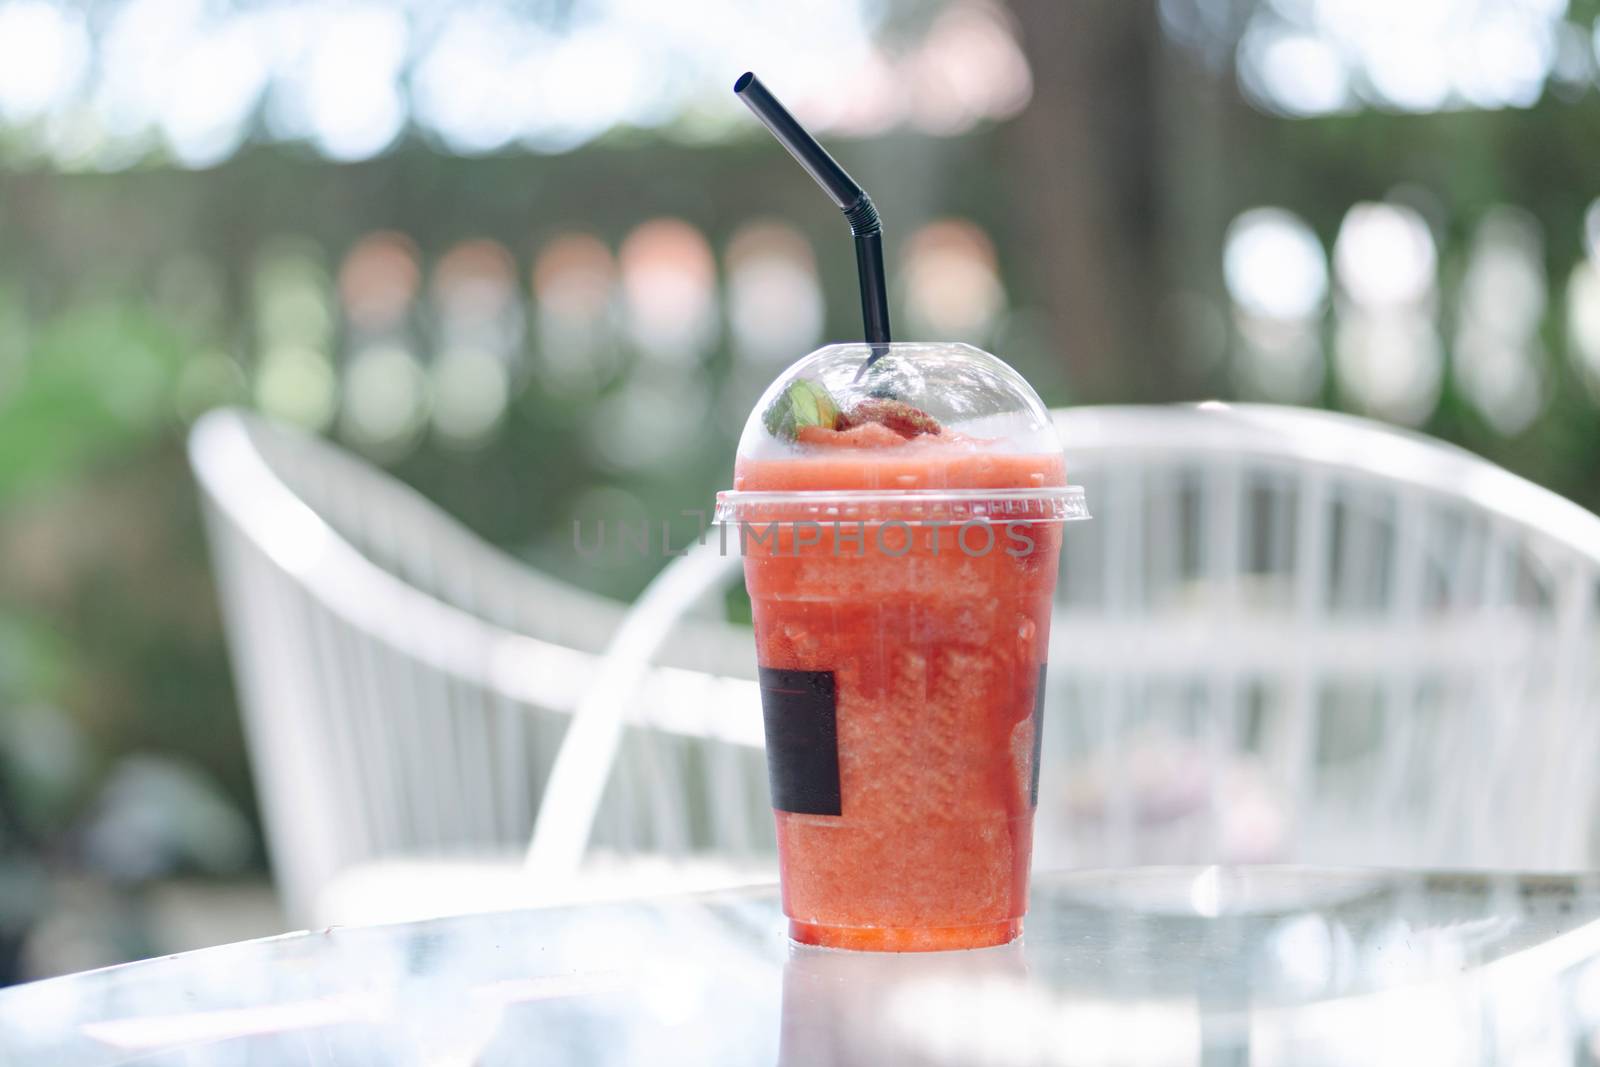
900,550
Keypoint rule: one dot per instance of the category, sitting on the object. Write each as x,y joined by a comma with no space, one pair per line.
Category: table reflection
1255,966
844,1009
1157,966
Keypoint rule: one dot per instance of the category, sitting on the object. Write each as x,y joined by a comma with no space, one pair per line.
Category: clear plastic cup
900,524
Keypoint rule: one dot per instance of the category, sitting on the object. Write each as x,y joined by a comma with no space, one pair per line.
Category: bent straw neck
865,226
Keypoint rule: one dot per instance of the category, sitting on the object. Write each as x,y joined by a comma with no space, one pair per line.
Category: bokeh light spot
952,285
1384,255
1274,265
378,281
385,399
44,52
470,390
669,288
775,302
296,384
574,285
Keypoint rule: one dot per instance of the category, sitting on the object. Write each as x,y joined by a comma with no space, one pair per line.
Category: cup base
905,938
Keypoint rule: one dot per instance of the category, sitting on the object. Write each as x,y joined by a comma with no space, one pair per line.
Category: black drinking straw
843,191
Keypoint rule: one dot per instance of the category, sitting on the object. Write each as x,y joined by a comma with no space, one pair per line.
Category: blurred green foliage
109,639
99,380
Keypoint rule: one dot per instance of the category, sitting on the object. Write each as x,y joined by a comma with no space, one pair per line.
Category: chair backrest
1290,635
405,686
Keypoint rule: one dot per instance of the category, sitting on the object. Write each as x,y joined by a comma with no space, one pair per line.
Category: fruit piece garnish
867,435
802,403
897,415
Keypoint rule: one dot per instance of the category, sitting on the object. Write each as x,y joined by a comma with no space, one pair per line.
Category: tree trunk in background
1095,199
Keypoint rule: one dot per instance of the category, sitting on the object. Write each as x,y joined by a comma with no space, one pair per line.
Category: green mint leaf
803,403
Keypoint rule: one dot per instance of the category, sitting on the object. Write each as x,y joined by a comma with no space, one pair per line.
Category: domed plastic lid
948,424
830,398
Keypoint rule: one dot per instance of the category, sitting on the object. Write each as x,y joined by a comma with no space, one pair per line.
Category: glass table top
1203,966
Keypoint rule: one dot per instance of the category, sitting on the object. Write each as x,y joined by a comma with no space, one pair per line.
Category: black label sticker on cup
1038,737
800,709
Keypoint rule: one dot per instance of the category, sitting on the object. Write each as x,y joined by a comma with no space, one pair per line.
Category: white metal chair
1299,636
405,688
1286,635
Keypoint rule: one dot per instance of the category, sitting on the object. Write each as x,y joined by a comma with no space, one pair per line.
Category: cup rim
1045,503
